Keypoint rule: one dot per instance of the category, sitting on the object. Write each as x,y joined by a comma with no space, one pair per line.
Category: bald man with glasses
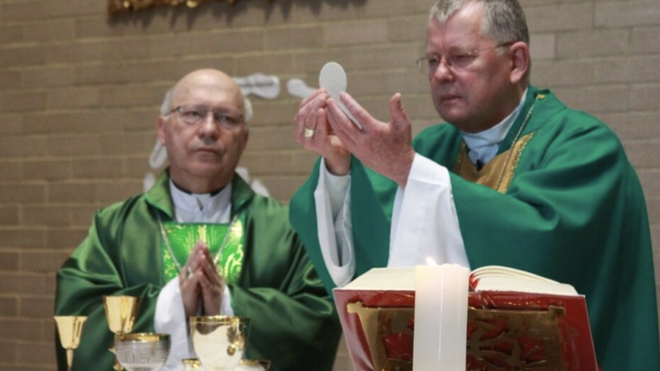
201,242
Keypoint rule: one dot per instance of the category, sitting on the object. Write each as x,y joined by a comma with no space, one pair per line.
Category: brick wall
80,90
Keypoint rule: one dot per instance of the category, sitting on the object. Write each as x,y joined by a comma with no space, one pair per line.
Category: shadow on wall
221,10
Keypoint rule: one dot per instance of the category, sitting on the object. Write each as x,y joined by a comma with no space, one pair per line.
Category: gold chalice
120,312
219,341
191,364
70,329
253,365
142,351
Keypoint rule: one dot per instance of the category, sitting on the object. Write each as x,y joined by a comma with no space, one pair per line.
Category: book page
523,285
385,279
490,278
501,271
499,278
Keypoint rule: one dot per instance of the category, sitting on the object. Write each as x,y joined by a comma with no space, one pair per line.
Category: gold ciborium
142,351
70,329
120,312
253,365
191,364
219,341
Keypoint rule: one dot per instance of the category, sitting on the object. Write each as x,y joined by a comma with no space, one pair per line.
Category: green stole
182,238
498,172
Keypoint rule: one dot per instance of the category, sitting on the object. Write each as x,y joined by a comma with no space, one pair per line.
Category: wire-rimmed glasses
455,61
195,115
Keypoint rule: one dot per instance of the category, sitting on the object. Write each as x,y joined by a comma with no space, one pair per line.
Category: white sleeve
332,199
225,306
170,318
424,220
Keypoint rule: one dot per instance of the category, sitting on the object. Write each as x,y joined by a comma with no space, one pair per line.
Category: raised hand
384,147
312,131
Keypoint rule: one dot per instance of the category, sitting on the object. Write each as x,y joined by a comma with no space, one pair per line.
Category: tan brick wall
80,90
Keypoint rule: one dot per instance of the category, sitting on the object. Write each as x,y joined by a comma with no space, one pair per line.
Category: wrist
403,170
338,165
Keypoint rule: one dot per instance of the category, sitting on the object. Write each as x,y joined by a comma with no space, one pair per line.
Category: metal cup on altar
142,351
253,365
191,364
219,341
120,311
70,329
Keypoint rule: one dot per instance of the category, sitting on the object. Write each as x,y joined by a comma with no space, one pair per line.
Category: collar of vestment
201,207
483,145
538,117
498,173
442,143
160,196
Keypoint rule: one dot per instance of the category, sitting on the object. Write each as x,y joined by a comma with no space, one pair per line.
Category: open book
499,278
487,278
516,320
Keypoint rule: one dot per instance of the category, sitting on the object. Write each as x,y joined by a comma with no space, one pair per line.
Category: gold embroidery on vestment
498,172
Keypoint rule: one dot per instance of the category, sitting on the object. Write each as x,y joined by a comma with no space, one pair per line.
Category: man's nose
443,73
208,126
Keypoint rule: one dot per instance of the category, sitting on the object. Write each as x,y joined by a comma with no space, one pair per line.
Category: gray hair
504,20
165,106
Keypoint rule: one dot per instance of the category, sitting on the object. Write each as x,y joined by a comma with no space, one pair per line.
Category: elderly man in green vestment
201,242
515,178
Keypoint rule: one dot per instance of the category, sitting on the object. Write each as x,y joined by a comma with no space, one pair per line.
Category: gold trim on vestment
498,172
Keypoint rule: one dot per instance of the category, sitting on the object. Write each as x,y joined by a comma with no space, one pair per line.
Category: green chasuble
293,321
570,207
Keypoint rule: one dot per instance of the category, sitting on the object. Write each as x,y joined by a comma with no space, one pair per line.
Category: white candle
441,293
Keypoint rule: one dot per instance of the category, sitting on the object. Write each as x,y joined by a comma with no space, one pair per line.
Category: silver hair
165,106
504,20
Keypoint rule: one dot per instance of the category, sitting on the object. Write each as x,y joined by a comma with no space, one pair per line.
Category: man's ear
520,61
161,130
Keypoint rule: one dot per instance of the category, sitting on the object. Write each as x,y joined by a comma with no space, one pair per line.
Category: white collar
201,207
483,146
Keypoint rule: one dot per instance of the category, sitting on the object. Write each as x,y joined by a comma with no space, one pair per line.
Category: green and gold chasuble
563,202
226,249
270,276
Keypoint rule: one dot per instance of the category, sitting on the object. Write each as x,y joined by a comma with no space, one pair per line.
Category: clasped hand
200,283
384,147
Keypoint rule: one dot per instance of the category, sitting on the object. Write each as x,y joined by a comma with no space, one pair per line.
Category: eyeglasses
193,116
454,61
